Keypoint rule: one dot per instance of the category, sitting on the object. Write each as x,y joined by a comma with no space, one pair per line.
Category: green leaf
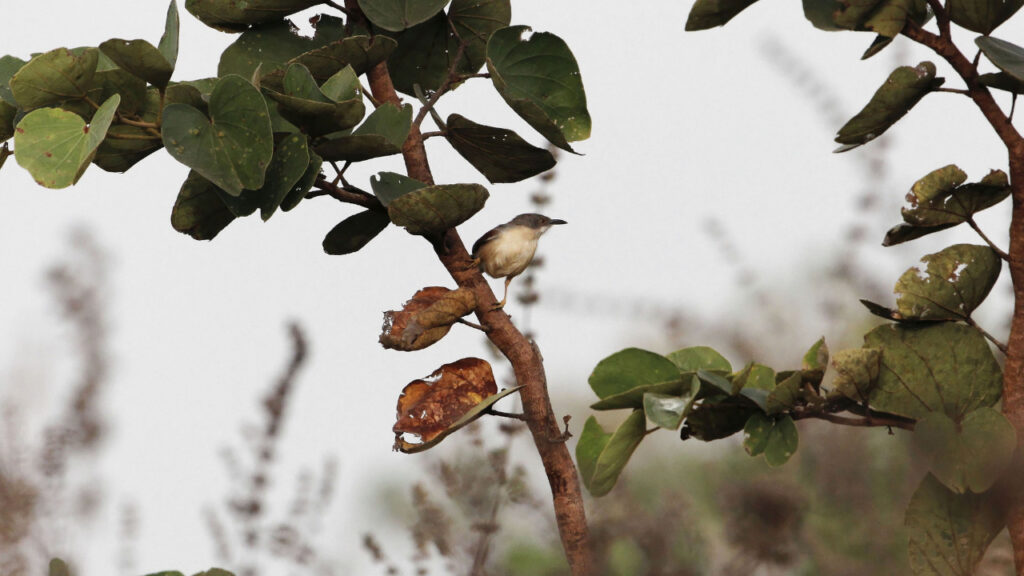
601,457
782,442
697,358
634,397
58,568
669,410
901,91
822,13
359,52
756,432
540,81
938,206
291,158
395,15
7,114
856,372
877,45
982,16
891,16
381,134
354,232
56,146
140,58
631,368
9,66
234,146
785,394
199,211
390,185
1007,56
306,106
955,281
499,154
950,532
168,45
754,376
969,455
343,86
707,14
474,22
54,77
431,210
944,367
1002,81
719,384
235,16
301,188
719,417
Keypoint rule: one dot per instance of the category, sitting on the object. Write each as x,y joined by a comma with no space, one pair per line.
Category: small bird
506,251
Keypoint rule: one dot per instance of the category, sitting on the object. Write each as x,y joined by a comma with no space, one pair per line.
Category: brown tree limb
527,363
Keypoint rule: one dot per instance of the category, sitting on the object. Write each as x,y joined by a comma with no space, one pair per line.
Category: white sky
687,126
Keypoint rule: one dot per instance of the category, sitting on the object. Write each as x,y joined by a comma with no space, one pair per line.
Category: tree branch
345,194
527,363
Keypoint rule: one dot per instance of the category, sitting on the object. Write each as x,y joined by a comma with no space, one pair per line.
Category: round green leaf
601,457
631,368
118,155
234,146
499,154
433,209
945,367
234,16
699,358
288,166
856,372
301,188
970,455
382,134
54,77
395,15
669,410
56,146
354,232
140,58
950,532
540,80
268,47
901,91
359,52
474,22
955,281
782,442
982,16
308,108
756,432
198,210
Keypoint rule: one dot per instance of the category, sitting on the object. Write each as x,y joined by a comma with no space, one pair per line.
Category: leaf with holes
539,79
359,52
499,154
707,14
856,373
954,282
431,210
235,16
56,146
432,406
390,185
234,146
902,90
950,532
426,318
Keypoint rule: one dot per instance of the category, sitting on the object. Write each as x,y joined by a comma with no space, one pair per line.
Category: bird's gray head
537,222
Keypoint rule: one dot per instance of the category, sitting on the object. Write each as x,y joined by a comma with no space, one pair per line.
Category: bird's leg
504,298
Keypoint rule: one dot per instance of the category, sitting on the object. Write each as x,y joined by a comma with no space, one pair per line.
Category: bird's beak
553,222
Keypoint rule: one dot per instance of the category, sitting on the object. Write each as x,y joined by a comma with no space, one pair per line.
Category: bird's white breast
510,253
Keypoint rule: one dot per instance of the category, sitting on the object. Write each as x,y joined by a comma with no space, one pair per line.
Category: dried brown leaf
426,318
428,407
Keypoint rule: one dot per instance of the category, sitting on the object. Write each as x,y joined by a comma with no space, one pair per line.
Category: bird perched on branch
506,251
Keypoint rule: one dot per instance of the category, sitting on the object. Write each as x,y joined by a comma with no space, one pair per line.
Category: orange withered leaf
426,318
430,407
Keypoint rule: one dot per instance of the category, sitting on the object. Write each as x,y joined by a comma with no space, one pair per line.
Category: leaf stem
511,415
347,194
998,344
449,80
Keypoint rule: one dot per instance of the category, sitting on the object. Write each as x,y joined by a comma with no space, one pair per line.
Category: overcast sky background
686,127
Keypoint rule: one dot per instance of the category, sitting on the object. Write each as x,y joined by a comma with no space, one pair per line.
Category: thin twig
954,91
434,134
336,6
511,415
451,78
347,195
999,251
471,324
998,344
